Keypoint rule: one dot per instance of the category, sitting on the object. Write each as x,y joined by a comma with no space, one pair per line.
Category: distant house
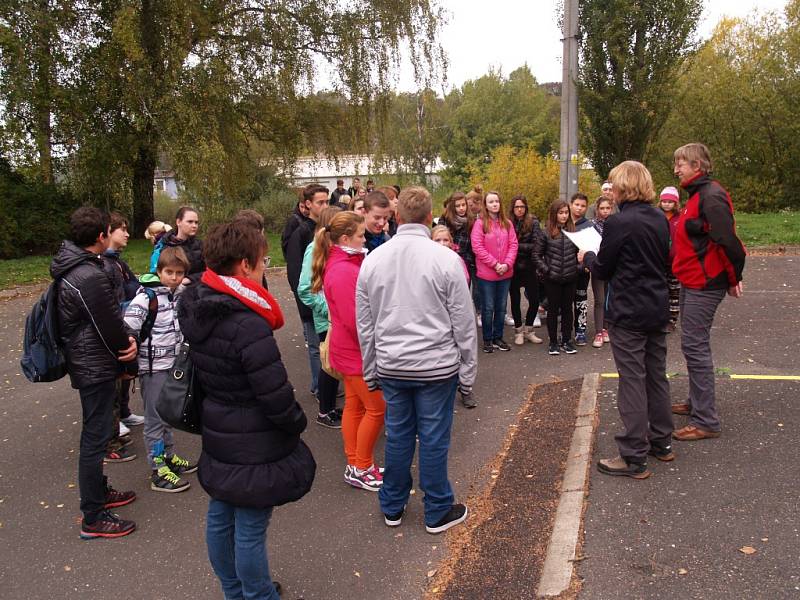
325,171
164,180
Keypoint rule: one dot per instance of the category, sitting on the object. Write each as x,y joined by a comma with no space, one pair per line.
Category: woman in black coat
633,260
528,231
253,458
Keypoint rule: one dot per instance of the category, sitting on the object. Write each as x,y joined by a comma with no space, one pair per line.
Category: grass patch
769,229
36,269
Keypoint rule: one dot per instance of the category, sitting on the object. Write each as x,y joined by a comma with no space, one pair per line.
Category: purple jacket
498,246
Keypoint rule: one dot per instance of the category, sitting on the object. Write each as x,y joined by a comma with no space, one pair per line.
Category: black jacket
555,259
301,237
252,453
294,220
90,322
125,282
633,260
193,248
462,240
527,246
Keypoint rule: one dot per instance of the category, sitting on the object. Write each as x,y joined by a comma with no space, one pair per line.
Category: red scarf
249,293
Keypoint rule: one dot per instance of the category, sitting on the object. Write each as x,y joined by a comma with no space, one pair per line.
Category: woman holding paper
633,260
556,260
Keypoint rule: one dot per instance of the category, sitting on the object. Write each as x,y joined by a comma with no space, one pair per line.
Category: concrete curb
558,563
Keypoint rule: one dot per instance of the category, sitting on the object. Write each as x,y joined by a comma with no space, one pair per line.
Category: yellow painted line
610,375
732,376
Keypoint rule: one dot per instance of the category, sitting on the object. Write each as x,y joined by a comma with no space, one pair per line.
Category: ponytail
343,223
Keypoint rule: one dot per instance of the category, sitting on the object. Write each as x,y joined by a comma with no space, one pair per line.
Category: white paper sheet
587,240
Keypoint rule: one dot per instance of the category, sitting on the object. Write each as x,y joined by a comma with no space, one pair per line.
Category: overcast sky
509,33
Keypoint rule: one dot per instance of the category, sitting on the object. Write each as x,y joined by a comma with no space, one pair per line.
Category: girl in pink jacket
494,243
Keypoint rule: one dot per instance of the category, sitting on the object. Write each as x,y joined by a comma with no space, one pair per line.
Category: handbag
325,355
180,403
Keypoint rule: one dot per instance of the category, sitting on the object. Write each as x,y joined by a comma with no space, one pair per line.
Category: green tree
631,52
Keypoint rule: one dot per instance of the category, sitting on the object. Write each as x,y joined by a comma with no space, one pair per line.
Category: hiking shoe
394,520
457,514
365,479
606,339
662,453
180,466
115,499
330,420
500,345
118,456
468,400
568,348
619,466
133,420
690,433
488,348
123,430
580,339
682,408
553,349
107,525
164,480
598,341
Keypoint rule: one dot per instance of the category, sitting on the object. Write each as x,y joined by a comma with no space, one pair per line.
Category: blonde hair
342,223
632,182
475,194
696,154
414,204
155,228
441,229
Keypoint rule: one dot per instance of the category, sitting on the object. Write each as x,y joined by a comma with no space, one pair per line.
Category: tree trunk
143,173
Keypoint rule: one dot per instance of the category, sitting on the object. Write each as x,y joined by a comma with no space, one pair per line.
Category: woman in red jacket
338,254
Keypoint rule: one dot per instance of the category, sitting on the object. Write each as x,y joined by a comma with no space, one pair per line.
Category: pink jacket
498,246
339,285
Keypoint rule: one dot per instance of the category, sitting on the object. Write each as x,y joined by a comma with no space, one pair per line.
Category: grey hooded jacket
414,312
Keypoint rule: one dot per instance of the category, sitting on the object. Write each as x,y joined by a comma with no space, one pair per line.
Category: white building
325,171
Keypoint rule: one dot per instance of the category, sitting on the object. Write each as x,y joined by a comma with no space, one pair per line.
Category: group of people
389,321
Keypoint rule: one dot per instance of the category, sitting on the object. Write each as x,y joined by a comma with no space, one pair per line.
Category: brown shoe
619,466
690,433
681,409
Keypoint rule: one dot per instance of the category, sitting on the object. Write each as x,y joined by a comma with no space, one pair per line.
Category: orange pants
362,421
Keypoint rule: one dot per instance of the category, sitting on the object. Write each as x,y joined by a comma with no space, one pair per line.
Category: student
155,231
355,187
669,202
556,259
338,253
474,202
156,356
459,221
602,211
356,205
578,205
494,242
95,342
336,194
527,229
184,235
441,235
298,216
327,385
391,194
378,211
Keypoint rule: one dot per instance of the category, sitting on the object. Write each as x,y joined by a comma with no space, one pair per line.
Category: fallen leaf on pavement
432,572
747,550
682,571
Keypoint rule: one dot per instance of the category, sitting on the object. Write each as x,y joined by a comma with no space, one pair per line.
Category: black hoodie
193,247
90,322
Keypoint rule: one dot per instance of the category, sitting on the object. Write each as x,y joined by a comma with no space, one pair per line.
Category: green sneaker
164,480
181,466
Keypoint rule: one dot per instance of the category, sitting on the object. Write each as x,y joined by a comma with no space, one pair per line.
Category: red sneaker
107,525
115,498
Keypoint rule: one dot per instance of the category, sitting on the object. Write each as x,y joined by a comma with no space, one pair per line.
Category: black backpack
147,326
43,359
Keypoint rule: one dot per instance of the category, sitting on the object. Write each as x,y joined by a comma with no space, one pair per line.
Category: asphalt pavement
332,544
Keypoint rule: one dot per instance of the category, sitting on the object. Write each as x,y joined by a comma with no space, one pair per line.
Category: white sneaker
509,320
133,420
537,322
122,429
480,323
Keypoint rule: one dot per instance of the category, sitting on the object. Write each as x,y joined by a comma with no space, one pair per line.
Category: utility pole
568,156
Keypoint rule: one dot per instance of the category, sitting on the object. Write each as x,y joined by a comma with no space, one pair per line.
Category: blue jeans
237,548
312,340
494,295
424,409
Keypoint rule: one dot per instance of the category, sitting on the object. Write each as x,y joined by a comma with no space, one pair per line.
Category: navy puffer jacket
252,452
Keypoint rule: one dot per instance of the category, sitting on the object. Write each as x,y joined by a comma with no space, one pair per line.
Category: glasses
519,206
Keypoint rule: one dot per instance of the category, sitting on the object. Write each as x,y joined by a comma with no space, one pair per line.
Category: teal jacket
317,302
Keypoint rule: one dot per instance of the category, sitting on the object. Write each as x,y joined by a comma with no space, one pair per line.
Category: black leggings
559,300
527,280
327,387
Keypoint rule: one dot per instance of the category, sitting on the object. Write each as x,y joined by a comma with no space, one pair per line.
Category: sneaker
123,430
115,499
107,525
580,339
394,520
118,456
662,453
553,350
487,347
598,341
500,345
457,514
164,480
330,420
619,466
377,472
180,466
606,339
133,420
480,322
124,441
568,348
366,479
509,320
468,400
537,322
339,412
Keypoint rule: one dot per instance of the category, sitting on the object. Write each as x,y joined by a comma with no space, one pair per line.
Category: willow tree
631,52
